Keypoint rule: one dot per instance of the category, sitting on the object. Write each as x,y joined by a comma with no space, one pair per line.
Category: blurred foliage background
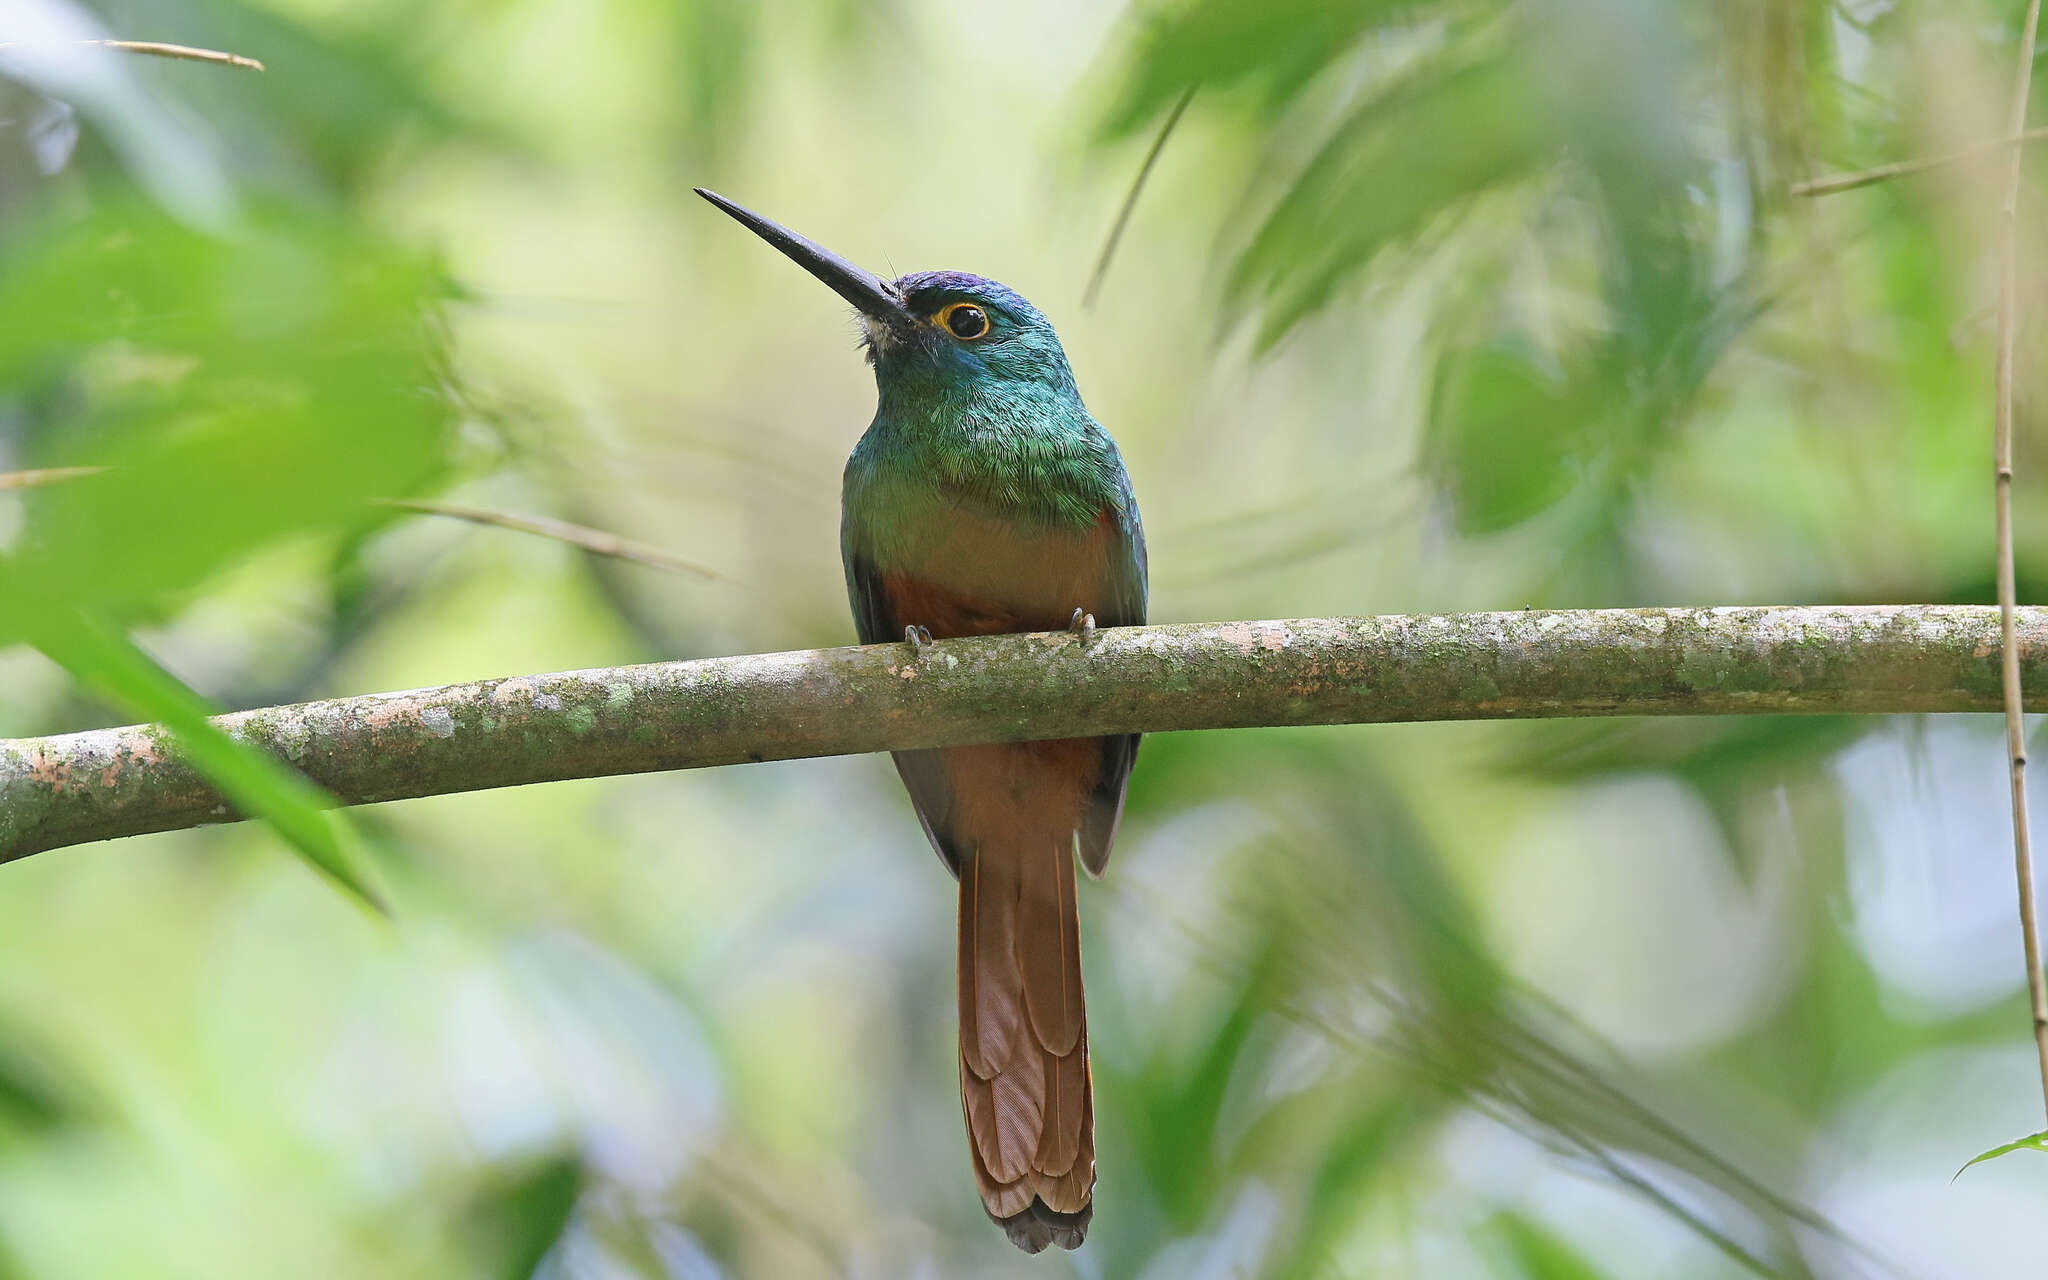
1428,305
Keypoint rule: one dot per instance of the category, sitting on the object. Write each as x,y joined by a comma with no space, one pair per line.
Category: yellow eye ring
964,320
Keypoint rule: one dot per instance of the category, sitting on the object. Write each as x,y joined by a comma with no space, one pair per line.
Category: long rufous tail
1024,1081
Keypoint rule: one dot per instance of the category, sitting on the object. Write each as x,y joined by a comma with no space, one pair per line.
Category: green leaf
1386,175
38,1093
1379,1124
1184,1101
337,98
255,782
236,388
1277,46
516,1220
2032,1142
1536,1252
1507,437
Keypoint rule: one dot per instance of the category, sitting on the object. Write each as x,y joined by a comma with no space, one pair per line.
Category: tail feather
1024,1081
1049,933
1067,1087
1038,1226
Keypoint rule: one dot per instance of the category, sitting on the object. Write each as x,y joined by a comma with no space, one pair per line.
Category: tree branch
73,788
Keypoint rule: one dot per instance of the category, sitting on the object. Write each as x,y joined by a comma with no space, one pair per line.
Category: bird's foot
917,638
1083,625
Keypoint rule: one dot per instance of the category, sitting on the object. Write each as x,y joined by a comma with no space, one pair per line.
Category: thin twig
48,475
158,49
595,541
1900,168
1123,215
2008,590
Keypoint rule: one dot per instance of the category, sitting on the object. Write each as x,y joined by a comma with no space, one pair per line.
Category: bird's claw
917,638
1082,623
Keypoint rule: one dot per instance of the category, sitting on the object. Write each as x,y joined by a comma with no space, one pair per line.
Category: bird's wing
1120,601
871,617
1104,808
875,623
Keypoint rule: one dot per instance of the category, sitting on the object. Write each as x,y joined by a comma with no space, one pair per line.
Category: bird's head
947,326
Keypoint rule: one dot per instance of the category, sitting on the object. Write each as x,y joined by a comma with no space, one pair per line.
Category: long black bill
864,289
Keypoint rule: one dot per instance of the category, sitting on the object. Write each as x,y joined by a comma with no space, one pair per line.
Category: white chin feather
880,338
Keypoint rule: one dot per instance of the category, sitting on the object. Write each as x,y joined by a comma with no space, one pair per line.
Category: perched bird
985,499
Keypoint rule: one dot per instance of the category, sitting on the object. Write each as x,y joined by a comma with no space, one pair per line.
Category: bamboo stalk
2008,591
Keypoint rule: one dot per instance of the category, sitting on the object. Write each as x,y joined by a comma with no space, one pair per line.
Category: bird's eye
965,321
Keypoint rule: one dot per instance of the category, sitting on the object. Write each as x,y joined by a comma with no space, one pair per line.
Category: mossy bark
72,788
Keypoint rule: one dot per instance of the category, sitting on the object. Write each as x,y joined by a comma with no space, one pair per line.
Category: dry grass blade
158,49
1123,215
2008,591
1900,168
595,541
48,475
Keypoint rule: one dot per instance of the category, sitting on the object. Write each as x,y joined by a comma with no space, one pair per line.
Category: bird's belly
960,572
